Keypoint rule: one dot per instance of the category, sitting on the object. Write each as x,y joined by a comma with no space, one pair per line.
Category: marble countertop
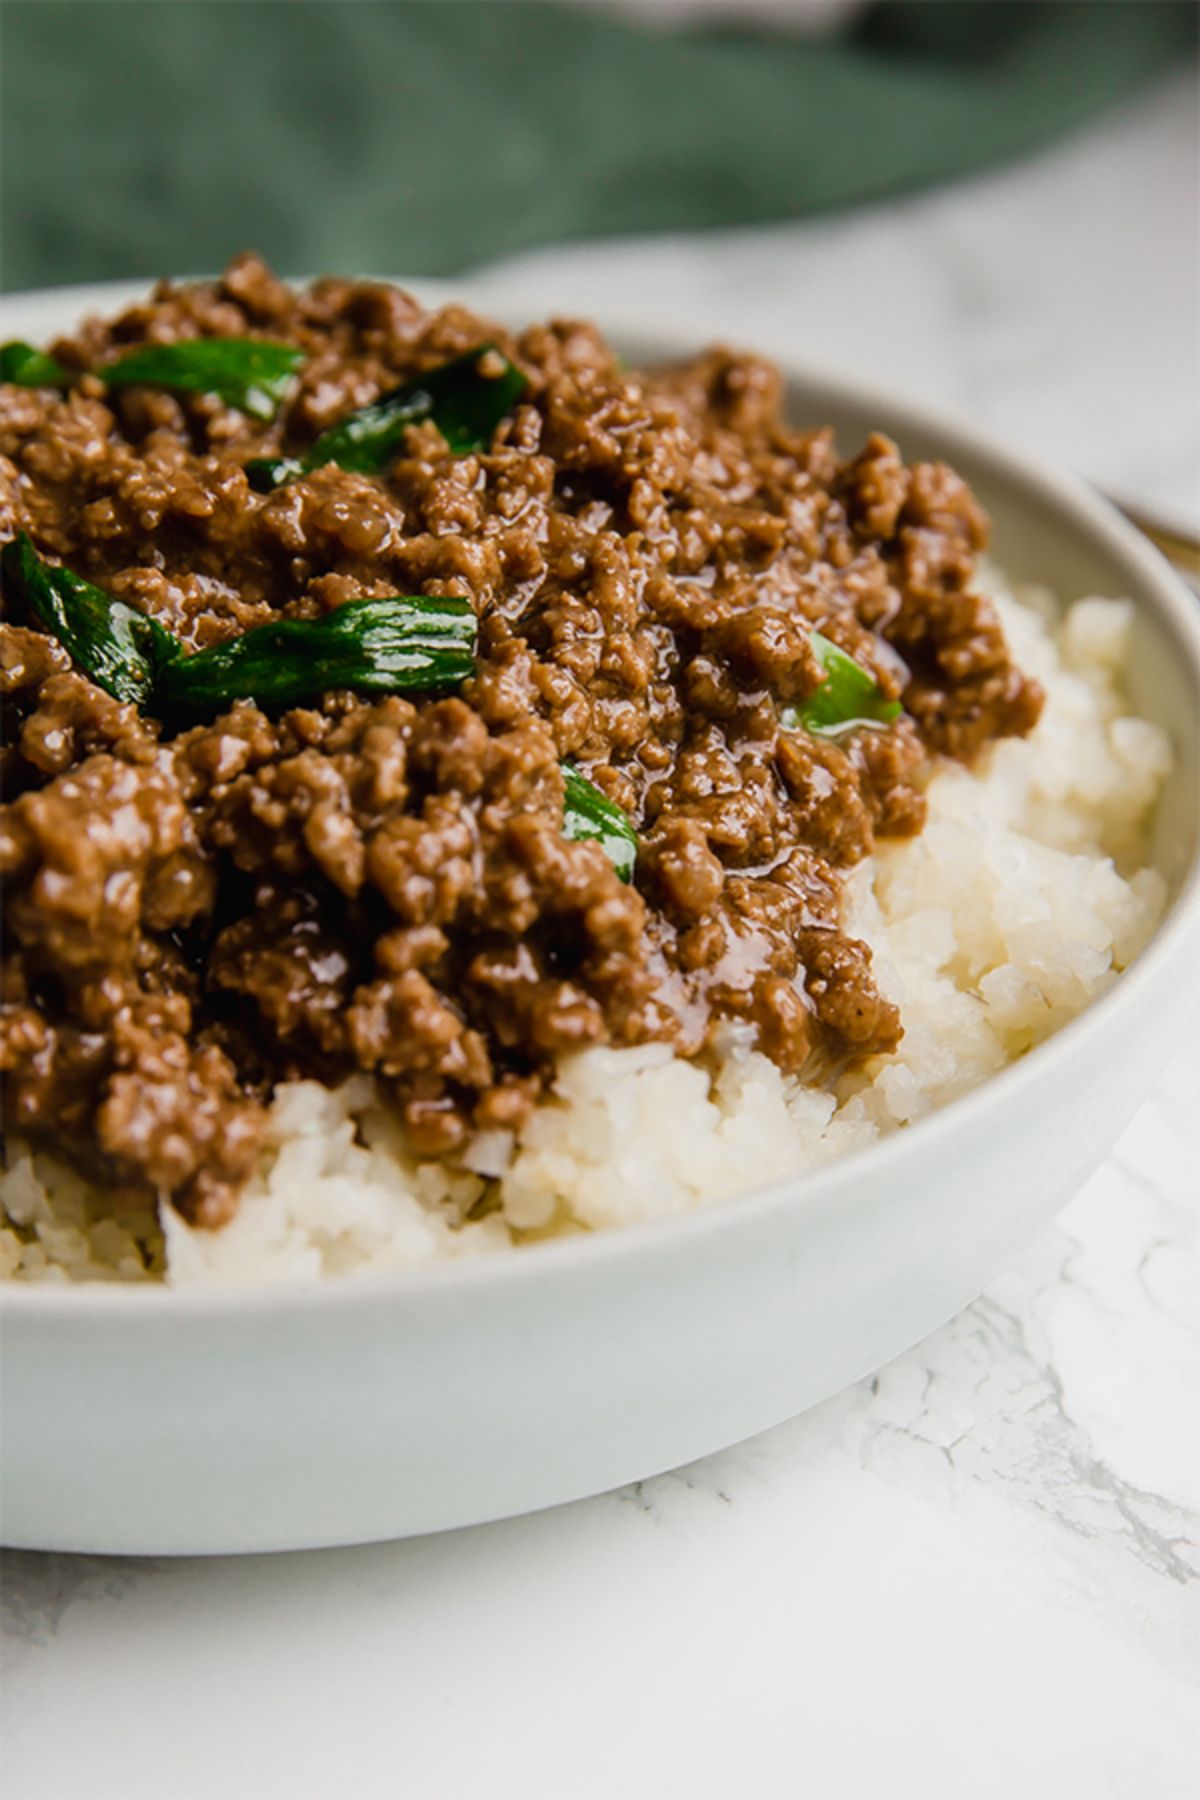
968,1577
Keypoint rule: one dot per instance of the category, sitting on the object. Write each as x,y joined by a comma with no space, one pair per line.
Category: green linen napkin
147,135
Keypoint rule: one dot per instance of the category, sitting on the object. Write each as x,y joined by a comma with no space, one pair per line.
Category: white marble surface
967,1578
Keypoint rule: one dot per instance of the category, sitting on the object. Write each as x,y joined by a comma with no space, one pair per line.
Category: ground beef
385,884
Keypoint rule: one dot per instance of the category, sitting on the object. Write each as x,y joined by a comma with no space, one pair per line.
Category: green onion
248,373
399,644
465,404
587,813
396,645
848,696
27,367
119,648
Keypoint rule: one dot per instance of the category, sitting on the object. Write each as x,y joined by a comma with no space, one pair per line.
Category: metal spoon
1179,547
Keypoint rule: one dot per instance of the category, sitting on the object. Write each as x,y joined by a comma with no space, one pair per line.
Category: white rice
1017,905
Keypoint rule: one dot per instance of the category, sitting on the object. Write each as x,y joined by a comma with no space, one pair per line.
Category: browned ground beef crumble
385,884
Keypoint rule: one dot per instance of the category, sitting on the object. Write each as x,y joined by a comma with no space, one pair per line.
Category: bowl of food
564,899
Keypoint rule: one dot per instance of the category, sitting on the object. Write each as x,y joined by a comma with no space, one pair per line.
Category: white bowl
144,1421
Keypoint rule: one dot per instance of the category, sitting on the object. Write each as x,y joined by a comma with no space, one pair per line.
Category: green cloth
142,136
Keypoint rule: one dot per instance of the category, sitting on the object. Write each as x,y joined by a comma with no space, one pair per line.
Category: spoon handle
1178,545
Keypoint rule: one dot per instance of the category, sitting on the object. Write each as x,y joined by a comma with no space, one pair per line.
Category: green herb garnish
396,645
119,648
399,644
848,695
27,367
465,404
248,373
587,813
